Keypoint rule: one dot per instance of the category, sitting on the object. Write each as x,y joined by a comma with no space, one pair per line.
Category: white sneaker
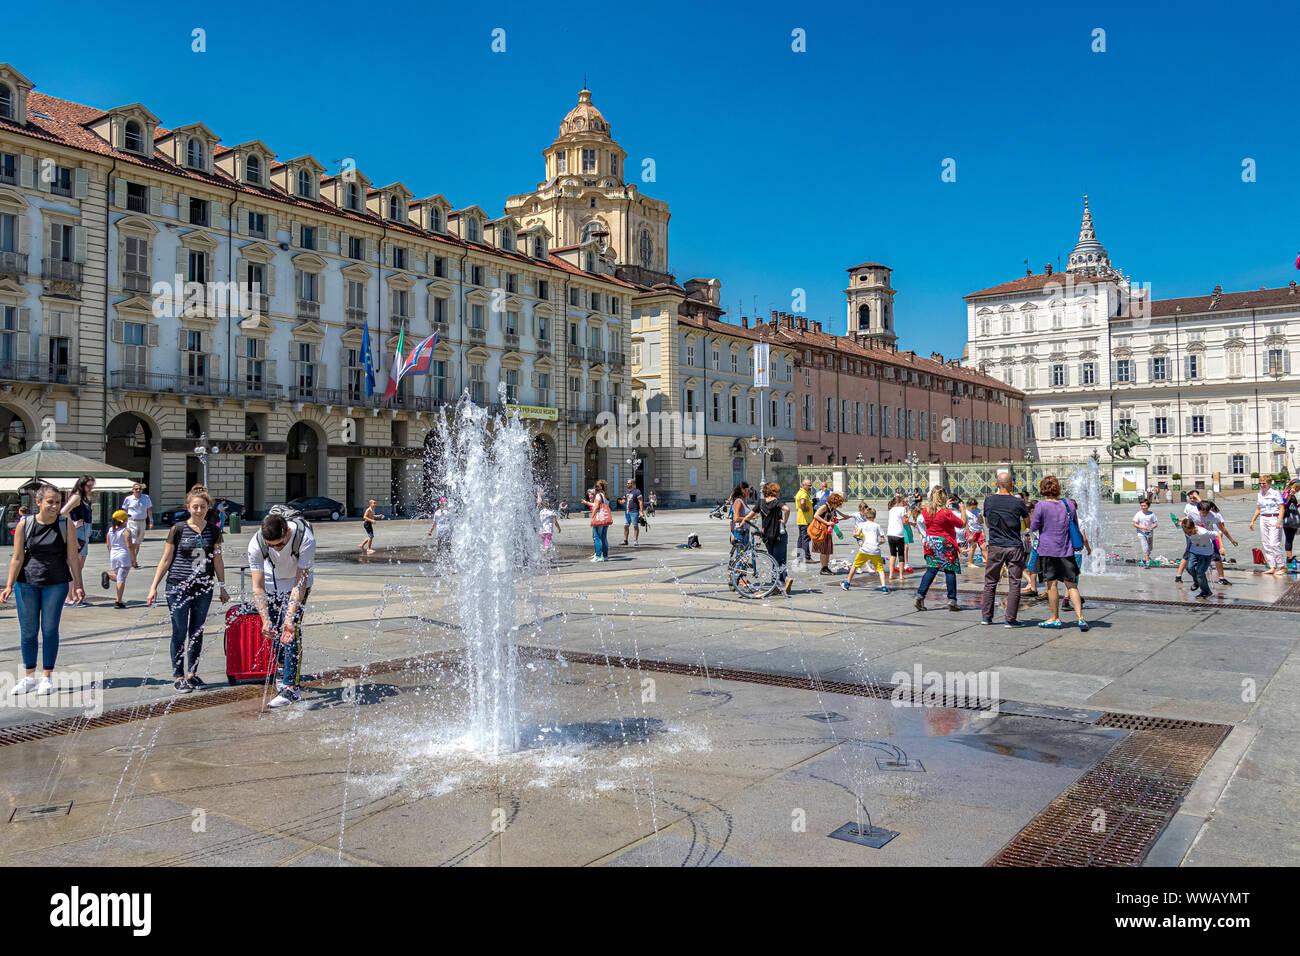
595,558
46,687
24,686
285,697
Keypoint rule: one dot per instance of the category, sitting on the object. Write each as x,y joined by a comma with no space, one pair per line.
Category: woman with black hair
77,510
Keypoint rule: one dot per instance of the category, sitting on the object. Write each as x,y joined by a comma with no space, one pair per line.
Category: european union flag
367,360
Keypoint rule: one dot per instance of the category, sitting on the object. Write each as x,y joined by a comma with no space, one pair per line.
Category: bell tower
871,305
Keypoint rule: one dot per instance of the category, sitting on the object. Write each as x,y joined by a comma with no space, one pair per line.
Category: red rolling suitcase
248,653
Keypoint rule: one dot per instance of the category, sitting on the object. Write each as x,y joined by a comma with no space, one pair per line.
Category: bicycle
751,571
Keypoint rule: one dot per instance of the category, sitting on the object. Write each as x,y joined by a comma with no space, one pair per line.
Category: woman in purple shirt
1052,519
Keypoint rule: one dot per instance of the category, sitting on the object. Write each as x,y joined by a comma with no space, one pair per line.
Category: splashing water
1086,489
483,465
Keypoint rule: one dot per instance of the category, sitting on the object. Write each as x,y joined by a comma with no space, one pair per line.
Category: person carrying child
869,535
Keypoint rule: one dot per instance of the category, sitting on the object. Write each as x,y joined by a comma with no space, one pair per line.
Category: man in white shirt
1268,510
283,553
139,518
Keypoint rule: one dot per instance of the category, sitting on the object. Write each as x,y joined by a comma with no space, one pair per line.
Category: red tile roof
869,265
1228,301
1033,283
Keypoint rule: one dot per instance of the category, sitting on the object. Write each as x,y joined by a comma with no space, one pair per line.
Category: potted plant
1177,481
1254,480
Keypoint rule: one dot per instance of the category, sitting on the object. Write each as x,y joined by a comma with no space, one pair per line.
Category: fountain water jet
483,465
1086,489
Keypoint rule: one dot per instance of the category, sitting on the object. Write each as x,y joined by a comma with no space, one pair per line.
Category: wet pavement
1150,649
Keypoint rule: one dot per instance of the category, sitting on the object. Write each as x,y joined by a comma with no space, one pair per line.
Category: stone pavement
1226,662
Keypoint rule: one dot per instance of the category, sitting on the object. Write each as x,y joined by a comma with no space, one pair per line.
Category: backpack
302,526
1291,515
693,540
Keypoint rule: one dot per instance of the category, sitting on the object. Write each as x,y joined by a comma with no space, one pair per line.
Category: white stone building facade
1206,380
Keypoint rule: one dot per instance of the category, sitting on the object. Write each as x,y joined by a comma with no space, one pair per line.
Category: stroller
720,512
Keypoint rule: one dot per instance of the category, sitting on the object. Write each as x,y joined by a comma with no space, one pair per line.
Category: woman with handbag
1059,537
938,525
77,510
601,519
819,529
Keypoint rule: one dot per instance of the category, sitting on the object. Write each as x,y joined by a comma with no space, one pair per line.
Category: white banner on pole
761,351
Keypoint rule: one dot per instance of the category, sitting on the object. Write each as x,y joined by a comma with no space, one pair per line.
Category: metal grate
1288,603
1113,814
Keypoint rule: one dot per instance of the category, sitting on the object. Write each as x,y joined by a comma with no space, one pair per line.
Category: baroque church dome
584,120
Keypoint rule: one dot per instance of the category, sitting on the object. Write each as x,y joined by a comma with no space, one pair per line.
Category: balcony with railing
307,309
477,335
137,202
441,329
9,178
47,373
512,341
254,388
544,346
354,317
616,358
61,189
140,380
60,270
579,416
576,353
315,395
596,356
13,263
136,282
259,303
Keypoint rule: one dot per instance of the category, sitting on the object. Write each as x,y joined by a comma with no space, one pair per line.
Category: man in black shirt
1003,514
631,501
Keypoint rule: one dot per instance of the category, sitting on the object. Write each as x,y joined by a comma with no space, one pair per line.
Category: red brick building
858,395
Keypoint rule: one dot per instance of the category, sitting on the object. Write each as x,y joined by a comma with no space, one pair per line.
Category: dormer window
352,197
304,184
134,139
471,230
435,219
539,247
253,169
395,208
194,154
507,240
6,102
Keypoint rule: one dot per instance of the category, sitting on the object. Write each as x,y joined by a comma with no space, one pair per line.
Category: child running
1200,552
1145,522
119,553
1213,522
368,522
870,535
896,533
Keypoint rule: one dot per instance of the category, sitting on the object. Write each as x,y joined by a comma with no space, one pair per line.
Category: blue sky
782,168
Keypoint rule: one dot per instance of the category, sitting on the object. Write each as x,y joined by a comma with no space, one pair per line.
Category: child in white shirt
550,519
119,542
1200,548
869,535
1145,522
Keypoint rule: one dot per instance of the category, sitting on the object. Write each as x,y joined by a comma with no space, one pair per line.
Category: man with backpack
282,554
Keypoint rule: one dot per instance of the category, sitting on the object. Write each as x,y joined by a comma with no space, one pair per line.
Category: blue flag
367,360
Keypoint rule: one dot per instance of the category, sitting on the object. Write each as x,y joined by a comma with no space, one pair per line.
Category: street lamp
911,458
764,447
635,462
203,449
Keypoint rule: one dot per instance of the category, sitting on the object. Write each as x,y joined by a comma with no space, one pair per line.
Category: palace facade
1205,380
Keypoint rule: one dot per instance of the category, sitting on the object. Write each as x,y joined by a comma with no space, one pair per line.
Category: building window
194,157
1160,425
308,237
512,385
137,197
1193,366
6,102
477,384
884,421
352,197
198,212
588,160
646,249
399,257
1058,375
134,136
1197,423
733,361
1199,464
253,169
472,229
395,208
1237,416
1123,370
1159,369
356,247
476,275
561,162
304,184
1088,374
477,314
1237,464
1277,414
1234,362
1090,427
735,410
1278,362
257,225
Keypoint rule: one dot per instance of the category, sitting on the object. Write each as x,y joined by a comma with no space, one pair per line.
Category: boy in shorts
974,533
870,535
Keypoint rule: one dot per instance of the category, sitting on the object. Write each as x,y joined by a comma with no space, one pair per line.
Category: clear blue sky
781,168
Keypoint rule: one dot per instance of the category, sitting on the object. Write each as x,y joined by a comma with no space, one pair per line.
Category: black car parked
314,508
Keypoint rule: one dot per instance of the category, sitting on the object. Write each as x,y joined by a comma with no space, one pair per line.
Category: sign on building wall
535,411
373,451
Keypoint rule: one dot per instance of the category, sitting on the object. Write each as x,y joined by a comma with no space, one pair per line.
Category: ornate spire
1088,256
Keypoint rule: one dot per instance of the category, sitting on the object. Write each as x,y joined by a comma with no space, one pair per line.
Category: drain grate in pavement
40,812
908,766
830,717
1113,814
